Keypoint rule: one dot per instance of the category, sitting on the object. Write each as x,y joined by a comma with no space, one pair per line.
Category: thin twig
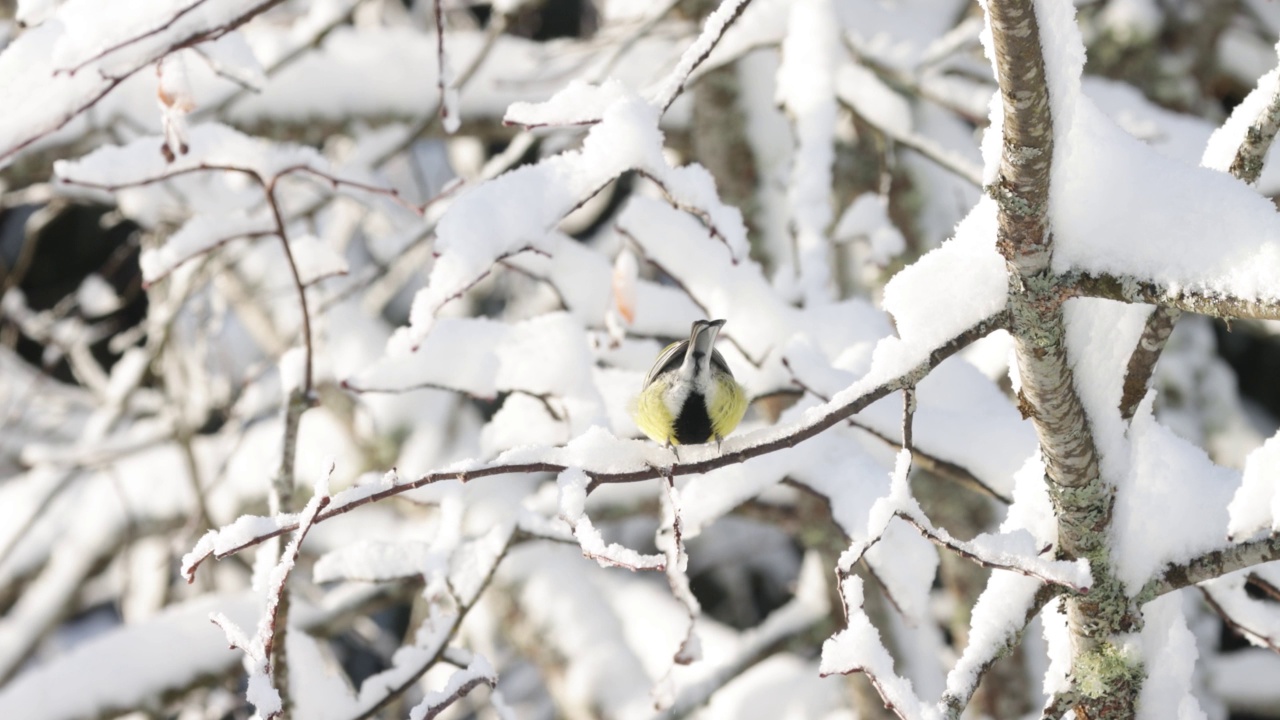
1238,627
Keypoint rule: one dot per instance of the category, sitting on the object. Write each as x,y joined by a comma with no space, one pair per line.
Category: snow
806,88
316,261
757,319
1131,22
950,289
577,103
574,319
90,32
900,34
1256,504
1244,679
868,217
1134,203
130,665
471,236
211,146
996,620
96,297
437,700
241,532
573,496
71,60
49,99
1149,215
1170,655
858,648
1221,149
1254,619
665,92
458,354
1171,507
372,561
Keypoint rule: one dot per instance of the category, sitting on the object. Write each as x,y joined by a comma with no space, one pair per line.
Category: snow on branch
264,686
66,65
1210,565
453,588
478,672
471,237
573,483
998,621
1240,146
716,25
858,648
1130,289
810,607
605,459
218,148
1013,551
670,540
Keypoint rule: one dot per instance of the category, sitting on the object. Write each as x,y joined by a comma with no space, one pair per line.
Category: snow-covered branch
1135,290
1210,565
72,64
268,674
249,531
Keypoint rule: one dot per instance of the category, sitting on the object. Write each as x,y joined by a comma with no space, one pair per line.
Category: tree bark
1082,499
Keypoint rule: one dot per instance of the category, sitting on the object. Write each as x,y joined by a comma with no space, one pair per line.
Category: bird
690,396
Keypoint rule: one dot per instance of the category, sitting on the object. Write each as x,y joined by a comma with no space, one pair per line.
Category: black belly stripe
693,425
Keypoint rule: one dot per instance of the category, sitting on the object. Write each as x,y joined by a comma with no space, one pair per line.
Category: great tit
689,395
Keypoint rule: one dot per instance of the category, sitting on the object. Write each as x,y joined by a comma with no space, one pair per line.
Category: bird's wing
670,359
718,360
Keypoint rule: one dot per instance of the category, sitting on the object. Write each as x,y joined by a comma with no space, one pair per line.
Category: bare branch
1142,362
